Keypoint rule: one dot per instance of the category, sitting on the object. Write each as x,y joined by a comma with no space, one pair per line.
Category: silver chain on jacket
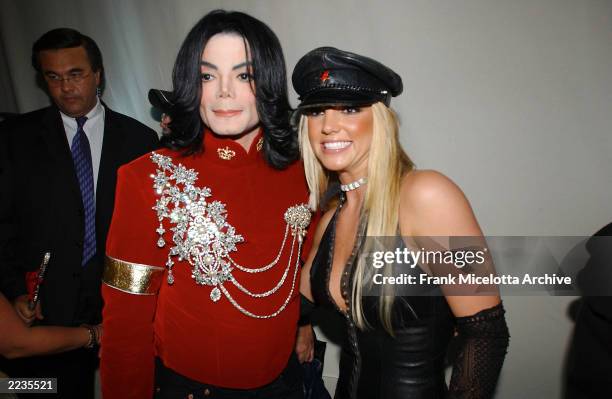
202,236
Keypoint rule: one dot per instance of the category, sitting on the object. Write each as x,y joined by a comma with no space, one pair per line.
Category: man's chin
236,133
70,109
227,131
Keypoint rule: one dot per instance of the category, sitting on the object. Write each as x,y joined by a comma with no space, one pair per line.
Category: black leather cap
329,76
161,99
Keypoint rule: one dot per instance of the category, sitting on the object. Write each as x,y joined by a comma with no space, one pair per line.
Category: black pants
171,385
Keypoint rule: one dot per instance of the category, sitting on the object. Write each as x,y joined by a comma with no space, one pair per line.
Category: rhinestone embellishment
298,217
215,294
226,153
202,237
353,185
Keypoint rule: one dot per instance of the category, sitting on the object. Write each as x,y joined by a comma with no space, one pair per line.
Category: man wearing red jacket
203,255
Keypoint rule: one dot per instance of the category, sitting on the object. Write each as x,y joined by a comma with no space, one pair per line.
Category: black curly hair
280,144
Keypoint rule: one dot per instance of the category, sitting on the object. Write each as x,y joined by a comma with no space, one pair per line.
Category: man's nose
225,88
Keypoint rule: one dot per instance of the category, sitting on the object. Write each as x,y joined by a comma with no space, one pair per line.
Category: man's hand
22,307
304,344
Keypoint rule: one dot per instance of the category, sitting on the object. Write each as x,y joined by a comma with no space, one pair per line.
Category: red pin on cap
324,76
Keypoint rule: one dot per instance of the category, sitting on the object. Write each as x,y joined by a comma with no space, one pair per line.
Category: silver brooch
203,238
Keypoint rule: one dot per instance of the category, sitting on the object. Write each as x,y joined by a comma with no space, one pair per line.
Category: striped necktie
81,156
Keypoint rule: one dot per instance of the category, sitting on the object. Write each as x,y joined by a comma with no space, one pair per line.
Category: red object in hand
31,280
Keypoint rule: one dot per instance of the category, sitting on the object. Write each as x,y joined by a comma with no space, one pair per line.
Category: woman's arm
17,340
433,206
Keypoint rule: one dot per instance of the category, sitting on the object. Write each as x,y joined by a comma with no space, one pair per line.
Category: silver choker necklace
353,185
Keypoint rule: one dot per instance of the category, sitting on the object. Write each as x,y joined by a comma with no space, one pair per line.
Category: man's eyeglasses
73,77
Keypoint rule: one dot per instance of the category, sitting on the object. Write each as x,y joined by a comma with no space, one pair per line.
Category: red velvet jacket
210,342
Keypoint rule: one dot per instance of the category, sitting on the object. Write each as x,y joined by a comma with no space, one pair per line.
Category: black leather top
373,364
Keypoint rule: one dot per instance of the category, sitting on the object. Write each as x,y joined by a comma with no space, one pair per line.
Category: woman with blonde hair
396,343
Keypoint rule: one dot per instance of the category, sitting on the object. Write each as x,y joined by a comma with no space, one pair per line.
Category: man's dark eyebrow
208,64
213,66
73,70
243,64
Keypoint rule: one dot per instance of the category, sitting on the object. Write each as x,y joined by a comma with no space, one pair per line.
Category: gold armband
132,278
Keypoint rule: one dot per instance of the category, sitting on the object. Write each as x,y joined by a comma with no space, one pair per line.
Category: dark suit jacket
41,209
589,360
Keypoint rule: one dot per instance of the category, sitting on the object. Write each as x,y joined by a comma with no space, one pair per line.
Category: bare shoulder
424,187
432,204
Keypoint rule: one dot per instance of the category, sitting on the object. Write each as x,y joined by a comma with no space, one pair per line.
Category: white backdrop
511,99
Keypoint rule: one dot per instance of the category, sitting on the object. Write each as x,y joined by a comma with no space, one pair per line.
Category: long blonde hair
387,163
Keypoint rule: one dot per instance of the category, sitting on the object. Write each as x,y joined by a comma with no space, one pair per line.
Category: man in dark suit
58,172
589,359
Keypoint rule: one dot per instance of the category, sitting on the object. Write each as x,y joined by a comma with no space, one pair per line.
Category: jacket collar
226,151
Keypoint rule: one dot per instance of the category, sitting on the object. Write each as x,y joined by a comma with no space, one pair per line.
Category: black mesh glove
484,340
